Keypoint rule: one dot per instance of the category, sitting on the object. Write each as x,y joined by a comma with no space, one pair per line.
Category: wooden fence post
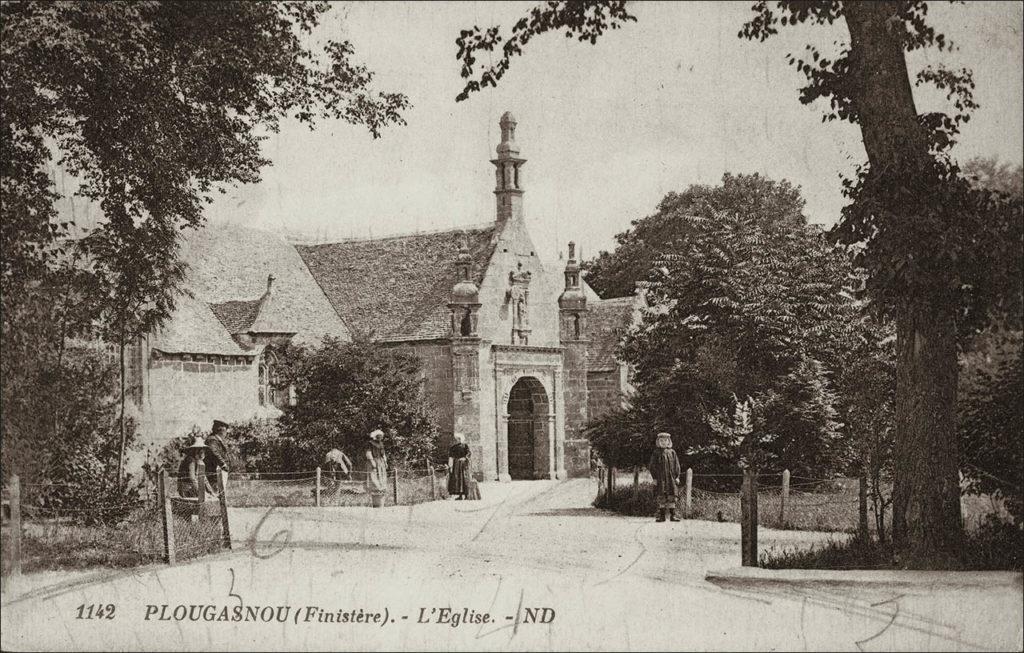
166,516
433,481
784,498
225,526
317,499
748,519
636,482
689,491
15,525
862,506
611,482
395,470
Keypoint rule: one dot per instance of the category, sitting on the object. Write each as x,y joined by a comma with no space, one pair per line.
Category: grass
995,545
59,544
830,507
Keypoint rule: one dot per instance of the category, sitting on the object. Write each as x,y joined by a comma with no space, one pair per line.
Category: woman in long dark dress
458,468
665,470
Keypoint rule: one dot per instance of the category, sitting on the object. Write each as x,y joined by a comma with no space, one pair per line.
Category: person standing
189,477
665,470
458,468
376,468
216,451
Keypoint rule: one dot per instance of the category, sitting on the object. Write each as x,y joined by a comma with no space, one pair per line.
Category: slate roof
607,322
228,267
397,288
237,316
193,329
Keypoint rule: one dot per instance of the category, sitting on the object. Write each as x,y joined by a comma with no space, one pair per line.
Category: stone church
516,356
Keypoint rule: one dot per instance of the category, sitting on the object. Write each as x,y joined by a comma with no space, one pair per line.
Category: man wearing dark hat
216,449
189,477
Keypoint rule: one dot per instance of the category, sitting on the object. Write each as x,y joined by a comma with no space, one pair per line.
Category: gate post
166,517
689,491
748,519
222,488
784,498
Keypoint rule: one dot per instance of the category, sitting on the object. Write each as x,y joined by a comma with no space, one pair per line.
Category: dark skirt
458,477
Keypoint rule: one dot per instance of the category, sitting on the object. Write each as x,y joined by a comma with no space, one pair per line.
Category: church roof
193,329
237,316
228,268
608,322
397,288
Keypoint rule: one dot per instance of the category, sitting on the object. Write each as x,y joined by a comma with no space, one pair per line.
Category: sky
608,129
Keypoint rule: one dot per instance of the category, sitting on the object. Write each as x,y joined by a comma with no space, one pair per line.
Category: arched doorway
528,446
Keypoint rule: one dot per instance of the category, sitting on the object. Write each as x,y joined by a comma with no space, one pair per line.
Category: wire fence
40,534
783,501
326,488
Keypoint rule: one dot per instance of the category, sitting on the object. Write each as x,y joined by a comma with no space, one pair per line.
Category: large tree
742,306
920,220
153,107
616,273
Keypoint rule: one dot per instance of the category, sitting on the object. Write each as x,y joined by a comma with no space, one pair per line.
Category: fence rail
159,527
778,500
322,488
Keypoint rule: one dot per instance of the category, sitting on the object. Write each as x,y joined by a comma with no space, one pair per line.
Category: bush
346,390
69,463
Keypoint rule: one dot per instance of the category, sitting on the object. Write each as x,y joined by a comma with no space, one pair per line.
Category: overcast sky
671,100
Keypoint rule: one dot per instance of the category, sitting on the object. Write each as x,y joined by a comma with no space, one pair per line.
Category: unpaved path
609,582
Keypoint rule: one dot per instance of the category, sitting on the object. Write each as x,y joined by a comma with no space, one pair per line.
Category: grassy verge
59,544
995,545
834,510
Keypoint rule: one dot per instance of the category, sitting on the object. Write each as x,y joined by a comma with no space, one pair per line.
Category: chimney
270,283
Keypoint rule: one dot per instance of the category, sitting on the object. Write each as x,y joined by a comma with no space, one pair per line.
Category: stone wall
183,391
513,247
436,375
577,458
604,393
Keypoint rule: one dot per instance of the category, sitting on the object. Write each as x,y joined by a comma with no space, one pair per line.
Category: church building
509,347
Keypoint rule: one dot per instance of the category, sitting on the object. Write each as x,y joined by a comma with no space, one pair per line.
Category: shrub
346,390
70,465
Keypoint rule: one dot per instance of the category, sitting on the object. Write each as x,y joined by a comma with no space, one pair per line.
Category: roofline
479,226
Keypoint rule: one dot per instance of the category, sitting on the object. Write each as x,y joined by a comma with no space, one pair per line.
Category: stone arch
529,429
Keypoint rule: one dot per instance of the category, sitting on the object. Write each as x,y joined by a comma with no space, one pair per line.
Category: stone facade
504,341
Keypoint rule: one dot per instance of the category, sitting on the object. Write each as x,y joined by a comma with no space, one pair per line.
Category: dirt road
532,566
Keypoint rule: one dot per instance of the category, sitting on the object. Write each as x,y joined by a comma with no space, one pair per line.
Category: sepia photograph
545,325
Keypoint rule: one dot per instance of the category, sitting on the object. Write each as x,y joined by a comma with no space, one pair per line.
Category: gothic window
270,390
576,326
466,327
264,378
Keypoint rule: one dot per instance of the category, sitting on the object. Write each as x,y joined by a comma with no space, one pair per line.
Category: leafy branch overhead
585,21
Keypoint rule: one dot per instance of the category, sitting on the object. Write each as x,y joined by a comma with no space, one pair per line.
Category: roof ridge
480,226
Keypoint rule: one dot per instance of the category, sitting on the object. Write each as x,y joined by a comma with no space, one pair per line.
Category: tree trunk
120,455
926,494
862,504
926,520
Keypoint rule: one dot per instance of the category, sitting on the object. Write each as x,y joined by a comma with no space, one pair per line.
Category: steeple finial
508,145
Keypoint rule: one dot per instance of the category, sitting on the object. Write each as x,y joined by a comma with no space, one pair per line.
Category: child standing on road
665,470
